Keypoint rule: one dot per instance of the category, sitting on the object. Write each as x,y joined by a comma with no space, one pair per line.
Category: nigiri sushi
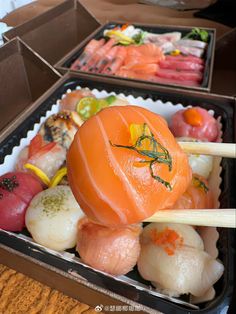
52,218
48,157
112,250
124,164
16,191
71,99
172,257
61,127
195,122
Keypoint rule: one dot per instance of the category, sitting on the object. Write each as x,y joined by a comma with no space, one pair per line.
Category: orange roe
168,239
193,117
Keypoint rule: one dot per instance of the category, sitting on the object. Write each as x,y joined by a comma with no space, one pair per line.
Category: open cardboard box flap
24,77
55,32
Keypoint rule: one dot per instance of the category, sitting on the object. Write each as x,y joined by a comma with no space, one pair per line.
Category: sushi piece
173,258
200,164
47,157
16,191
116,63
52,218
195,122
197,196
112,250
113,180
71,99
61,127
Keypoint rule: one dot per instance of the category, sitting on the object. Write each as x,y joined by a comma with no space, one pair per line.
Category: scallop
52,218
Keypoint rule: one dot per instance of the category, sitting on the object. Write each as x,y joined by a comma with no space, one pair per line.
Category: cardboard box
57,31
24,77
117,288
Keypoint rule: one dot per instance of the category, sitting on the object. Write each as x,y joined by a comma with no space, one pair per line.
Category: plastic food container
64,64
83,282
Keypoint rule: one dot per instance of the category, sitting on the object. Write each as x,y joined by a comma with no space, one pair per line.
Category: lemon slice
58,176
120,37
39,173
87,107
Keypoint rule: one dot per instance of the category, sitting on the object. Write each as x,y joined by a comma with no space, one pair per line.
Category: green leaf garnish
110,99
197,34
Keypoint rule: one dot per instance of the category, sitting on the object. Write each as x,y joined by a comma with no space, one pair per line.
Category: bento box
174,66
131,287
24,77
57,31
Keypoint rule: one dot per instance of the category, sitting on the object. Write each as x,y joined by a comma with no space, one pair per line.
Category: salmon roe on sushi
124,164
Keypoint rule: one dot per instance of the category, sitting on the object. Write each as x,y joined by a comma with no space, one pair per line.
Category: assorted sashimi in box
96,160
167,55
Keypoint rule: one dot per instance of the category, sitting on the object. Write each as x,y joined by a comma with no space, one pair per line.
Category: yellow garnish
39,173
119,36
58,176
137,130
176,52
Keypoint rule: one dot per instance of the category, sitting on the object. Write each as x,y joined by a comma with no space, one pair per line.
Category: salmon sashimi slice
180,65
185,58
91,47
98,55
150,68
117,62
180,75
136,75
113,184
146,53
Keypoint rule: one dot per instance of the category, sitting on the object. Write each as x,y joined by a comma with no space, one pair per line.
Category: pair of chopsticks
201,217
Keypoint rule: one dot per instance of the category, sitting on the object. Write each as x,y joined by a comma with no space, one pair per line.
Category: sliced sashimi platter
129,52
99,164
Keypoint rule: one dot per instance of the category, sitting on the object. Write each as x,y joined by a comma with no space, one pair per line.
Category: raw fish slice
180,75
182,58
144,68
106,60
147,53
98,55
180,65
91,47
135,75
192,43
160,38
163,80
117,62
197,52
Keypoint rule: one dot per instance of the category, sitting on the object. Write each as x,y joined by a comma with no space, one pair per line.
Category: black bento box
64,64
82,282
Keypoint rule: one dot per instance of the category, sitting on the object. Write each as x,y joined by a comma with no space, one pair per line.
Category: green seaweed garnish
157,154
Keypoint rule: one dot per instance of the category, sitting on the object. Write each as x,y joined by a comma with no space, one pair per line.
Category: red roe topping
168,239
193,117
